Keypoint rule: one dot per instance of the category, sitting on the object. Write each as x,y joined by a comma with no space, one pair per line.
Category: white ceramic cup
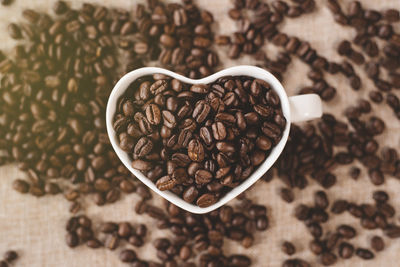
295,109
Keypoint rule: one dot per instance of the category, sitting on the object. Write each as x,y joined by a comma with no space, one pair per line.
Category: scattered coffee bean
364,254
286,195
288,248
346,250
377,243
10,256
6,2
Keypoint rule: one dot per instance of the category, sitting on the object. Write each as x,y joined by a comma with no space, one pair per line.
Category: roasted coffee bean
391,15
60,7
21,186
203,177
376,176
302,212
286,195
190,194
346,231
206,136
346,250
14,31
10,256
94,243
316,247
200,88
72,239
165,183
219,131
180,175
206,200
127,255
239,261
288,248
392,231
377,243
153,114
328,258
6,2
380,196
143,147
141,165
201,111
355,173
196,150
169,119
321,200
364,254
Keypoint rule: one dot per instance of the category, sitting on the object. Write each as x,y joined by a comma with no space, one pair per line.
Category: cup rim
242,70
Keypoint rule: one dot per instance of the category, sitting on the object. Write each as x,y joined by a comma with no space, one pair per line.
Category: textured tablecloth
35,226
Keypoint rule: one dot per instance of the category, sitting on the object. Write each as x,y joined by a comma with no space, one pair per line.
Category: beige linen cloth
35,226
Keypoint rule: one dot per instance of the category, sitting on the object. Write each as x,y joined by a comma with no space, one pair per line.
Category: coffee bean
127,255
72,239
141,165
391,15
169,119
286,195
6,2
302,212
21,186
346,231
288,248
196,150
377,243
10,255
321,200
190,194
380,196
392,231
14,31
376,176
316,247
355,173
315,230
328,258
346,250
364,254
165,183
112,242
94,243
143,147
203,177
201,111
239,261
219,131
109,227
153,114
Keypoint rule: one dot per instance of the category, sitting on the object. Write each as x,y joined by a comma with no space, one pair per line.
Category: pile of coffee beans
199,140
371,216
9,257
193,235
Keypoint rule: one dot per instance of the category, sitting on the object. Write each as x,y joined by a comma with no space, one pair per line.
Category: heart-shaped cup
295,109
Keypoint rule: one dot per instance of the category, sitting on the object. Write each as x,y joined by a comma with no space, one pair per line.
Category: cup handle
305,107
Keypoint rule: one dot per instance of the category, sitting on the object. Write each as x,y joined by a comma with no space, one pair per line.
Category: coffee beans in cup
198,140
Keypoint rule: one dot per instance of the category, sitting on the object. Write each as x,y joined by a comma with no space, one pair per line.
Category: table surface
35,226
